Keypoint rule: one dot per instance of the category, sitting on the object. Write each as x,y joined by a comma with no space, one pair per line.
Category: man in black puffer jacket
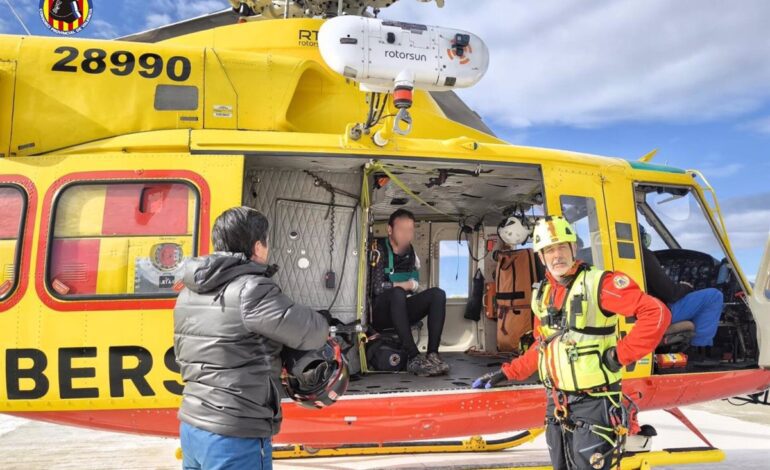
231,322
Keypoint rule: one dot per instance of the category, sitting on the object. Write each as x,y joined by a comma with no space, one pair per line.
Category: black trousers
393,309
573,449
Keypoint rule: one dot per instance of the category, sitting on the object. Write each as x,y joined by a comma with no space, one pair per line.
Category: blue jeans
203,450
702,307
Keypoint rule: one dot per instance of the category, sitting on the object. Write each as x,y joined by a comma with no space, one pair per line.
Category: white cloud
162,12
102,29
761,125
9,24
155,20
747,219
748,236
201,7
716,171
590,63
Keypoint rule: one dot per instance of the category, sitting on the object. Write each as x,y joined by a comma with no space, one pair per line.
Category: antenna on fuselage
647,157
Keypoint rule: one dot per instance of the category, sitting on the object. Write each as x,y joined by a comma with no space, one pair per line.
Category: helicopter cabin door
577,194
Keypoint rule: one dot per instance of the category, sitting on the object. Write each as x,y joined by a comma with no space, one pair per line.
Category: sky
608,77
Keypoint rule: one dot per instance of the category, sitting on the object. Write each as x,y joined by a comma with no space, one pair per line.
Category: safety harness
401,276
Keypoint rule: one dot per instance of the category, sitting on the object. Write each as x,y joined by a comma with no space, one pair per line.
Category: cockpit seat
677,337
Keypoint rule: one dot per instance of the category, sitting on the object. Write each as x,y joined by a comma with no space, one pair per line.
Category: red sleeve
621,295
524,366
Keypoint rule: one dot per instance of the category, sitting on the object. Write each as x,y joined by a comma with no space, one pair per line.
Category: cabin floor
465,368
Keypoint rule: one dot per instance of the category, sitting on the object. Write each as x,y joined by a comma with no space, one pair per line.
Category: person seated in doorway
703,307
398,301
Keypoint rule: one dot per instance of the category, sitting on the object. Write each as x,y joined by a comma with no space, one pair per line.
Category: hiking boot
442,366
420,365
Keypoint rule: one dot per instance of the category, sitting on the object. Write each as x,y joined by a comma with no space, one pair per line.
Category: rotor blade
455,109
193,25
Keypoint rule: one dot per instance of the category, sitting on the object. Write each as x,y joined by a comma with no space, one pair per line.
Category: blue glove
489,380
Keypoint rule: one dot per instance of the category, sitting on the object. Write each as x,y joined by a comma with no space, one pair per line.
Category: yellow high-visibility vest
574,339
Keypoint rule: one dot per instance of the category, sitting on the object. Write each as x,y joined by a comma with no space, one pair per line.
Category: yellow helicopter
117,155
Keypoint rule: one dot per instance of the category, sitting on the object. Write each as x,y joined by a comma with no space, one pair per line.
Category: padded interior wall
300,225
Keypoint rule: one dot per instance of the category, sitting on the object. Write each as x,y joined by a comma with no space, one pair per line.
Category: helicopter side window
12,208
121,239
581,212
453,267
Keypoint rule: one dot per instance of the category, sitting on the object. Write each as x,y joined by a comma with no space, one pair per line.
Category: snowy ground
742,432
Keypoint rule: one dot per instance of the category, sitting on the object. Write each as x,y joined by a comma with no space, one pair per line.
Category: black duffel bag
384,353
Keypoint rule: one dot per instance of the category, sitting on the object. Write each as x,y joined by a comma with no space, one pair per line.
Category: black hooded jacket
231,322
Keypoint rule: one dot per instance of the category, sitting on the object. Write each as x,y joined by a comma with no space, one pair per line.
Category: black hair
237,230
398,214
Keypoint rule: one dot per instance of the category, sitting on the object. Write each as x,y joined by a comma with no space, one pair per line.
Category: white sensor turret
377,52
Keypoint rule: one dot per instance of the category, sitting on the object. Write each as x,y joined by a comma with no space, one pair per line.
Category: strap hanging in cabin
377,166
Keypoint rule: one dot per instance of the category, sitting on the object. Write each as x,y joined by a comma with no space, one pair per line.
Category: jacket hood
209,273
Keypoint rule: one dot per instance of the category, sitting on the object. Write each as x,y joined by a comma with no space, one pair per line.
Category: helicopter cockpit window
12,208
582,214
674,218
677,229
121,239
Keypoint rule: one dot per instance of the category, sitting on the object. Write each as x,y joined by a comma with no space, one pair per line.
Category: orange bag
511,327
514,277
489,301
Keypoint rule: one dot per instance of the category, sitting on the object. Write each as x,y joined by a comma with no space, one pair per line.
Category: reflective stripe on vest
571,353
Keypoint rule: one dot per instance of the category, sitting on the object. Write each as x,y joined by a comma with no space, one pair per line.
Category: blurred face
260,253
558,259
401,233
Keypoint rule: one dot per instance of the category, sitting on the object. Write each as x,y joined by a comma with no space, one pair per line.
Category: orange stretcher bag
514,277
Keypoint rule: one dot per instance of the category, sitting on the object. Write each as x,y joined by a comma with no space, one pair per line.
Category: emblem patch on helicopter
66,16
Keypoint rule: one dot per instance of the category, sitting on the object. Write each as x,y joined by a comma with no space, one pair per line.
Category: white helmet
513,232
